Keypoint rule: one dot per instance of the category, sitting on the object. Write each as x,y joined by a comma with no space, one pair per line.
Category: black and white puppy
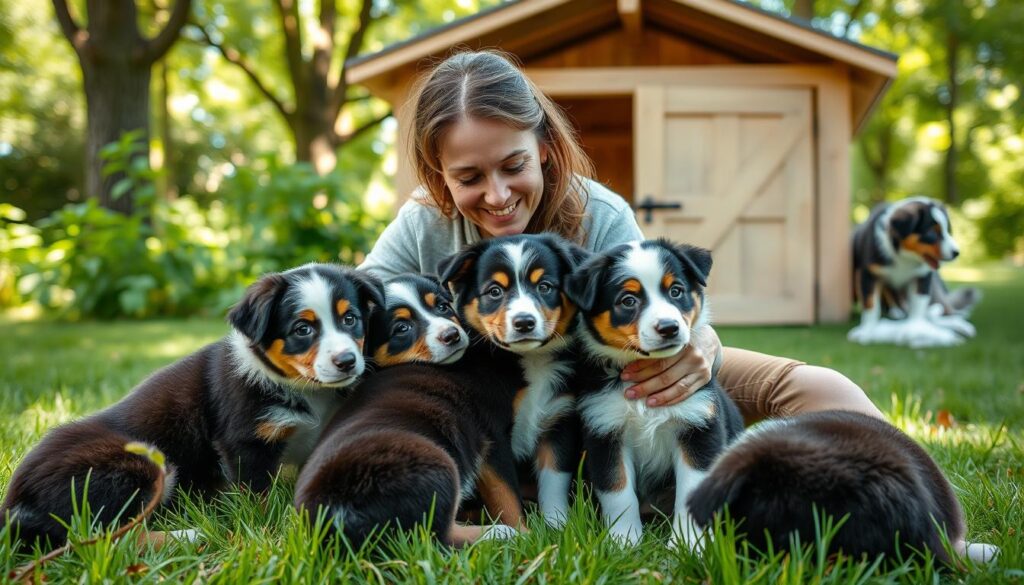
232,412
510,291
842,463
896,256
642,300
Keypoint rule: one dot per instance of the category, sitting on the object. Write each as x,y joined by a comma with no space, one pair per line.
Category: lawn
965,404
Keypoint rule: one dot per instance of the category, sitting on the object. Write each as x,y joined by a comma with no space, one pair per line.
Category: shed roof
530,28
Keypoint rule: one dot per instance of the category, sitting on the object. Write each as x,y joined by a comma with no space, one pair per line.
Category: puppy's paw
689,536
920,334
862,334
625,536
956,323
980,552
499,532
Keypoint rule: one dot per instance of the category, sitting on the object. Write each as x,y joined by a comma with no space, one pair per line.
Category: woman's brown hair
488,85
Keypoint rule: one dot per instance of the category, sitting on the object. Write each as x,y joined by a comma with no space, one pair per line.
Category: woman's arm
395,251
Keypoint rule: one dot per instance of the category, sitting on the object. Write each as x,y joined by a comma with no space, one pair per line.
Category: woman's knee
807,388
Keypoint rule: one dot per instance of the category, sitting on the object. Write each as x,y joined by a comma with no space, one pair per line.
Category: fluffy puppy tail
386,480
41,486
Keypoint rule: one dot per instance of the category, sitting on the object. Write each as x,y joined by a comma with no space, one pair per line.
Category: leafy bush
180,257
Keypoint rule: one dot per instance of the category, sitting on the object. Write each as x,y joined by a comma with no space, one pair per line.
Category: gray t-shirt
421,236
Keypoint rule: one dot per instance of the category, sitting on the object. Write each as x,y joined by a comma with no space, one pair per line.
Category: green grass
55,372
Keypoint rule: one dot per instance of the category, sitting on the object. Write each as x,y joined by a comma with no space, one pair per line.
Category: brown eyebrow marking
431,299
668,279
342,306
307,314
536,274
501,278
403,313
632,285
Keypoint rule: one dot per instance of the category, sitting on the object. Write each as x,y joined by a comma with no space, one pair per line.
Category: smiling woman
495,157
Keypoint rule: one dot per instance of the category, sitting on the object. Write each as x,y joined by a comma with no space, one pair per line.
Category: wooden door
739,163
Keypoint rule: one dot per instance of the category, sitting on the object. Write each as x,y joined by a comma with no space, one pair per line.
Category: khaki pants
765,386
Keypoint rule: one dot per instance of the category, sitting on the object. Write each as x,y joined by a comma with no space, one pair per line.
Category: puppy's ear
714,493
582,285
904,221
455,269
696,259
571,254
369,287
252,314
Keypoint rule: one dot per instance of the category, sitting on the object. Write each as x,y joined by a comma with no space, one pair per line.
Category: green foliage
178,257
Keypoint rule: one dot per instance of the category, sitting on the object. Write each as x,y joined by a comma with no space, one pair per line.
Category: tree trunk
117,99
116,62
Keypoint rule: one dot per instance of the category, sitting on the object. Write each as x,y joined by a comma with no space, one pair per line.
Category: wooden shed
724,125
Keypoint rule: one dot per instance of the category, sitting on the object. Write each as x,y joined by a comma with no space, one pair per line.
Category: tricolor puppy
642,300
842,463
413,435
896,257
510,291
232,412
418,324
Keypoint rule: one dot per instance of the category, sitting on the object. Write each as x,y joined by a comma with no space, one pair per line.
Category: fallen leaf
136,569
945,420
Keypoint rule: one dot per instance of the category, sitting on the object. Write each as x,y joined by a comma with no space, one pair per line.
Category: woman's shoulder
601,197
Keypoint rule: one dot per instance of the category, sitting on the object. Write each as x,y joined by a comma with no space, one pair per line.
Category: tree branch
289,11
363,129
234,57
854,14
355,44
74,33
158,46
323,45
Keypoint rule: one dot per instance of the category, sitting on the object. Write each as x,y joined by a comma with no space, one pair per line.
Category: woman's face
494,174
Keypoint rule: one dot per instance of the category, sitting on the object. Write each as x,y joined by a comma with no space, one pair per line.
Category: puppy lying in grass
231,413
845,464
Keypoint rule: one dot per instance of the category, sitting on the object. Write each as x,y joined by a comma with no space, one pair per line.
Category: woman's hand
668,381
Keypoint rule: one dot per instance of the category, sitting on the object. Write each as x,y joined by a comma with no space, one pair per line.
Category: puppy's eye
628,301
544,288
400,328
348,320
930,238
676,291
302,329
444,308
495,292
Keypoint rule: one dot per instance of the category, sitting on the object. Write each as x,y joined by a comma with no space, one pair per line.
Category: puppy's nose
344,361
956,253
667,328
449,336
524,323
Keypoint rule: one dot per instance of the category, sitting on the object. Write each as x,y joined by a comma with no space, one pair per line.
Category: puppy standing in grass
232,412
641,300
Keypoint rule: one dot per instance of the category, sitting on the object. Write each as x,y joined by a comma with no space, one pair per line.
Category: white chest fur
904,268
541,404
649,433
308,425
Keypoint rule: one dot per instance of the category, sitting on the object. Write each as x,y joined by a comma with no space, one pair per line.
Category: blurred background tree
249,115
